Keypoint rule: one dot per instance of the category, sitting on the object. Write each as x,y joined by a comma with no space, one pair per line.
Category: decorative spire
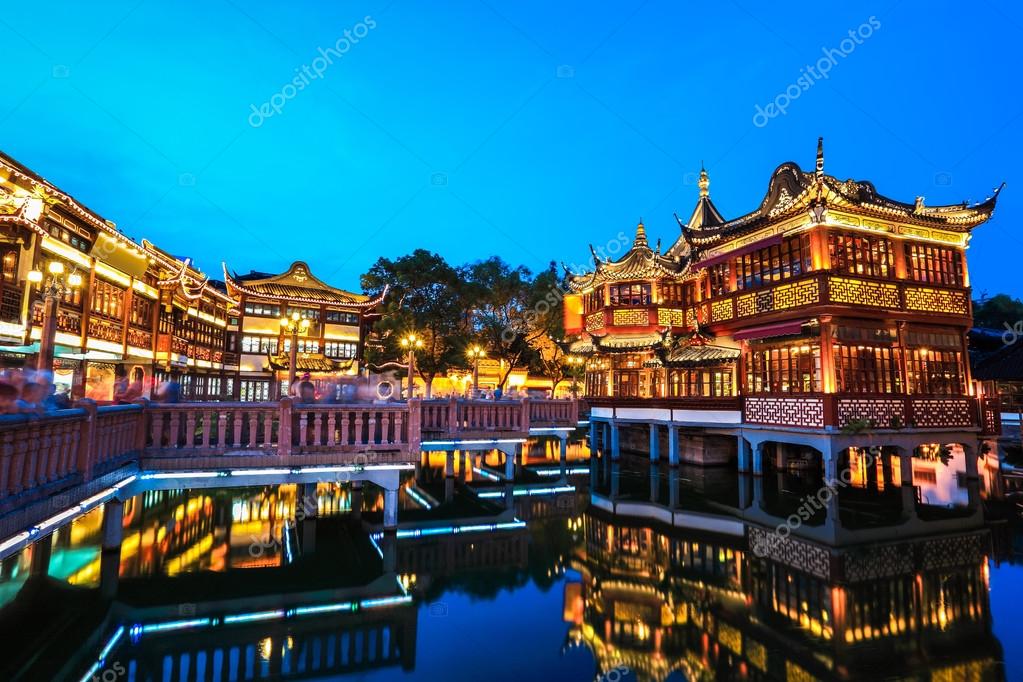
640,235
820,158
704,182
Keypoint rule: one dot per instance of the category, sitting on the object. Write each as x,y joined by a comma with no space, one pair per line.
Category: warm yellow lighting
74,280
35,276
295,316
56,267
284,322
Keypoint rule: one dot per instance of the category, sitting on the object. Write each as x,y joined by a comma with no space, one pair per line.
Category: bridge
62,463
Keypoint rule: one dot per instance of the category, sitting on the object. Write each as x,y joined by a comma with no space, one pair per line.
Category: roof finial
820,158
704,182
640,235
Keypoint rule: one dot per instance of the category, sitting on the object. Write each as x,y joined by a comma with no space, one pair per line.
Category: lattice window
791,258
700,383
783,369
935,372
721,310
934,264
671,317
867,369
595,320
861,254
629,294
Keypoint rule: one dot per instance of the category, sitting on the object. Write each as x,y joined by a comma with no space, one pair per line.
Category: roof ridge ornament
704,182
819,169
640,236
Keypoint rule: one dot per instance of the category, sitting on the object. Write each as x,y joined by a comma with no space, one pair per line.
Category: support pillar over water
592,445
390,509
655,443
673,446
309,502
615,451
113,528
41,550
389,549
563,456
356,500
673,487
743,455
758,459
449,464
615,476
509,463
908,489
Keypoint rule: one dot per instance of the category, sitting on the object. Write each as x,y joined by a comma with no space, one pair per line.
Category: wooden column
827,355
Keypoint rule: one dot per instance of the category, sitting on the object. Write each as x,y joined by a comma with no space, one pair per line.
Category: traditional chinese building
332,344
138,306
827,307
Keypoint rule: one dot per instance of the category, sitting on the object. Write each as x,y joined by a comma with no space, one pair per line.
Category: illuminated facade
827,307
141,307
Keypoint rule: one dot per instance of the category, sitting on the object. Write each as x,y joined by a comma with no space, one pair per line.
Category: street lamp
574,364
293,324
410,342
475,353
56,287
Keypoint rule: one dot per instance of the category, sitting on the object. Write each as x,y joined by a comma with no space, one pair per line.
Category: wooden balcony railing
823,288
455,415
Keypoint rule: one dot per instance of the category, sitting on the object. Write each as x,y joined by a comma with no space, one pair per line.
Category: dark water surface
288,582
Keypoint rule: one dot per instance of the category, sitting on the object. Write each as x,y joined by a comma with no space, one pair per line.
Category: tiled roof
297,285
307,362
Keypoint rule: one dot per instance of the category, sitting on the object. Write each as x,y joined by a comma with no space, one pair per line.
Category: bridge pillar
563,456
673,446
41,551
908,489
390,508
743,455
615,476
389,549
655,443
592,445
113,529
509,465
449,489
655,482
309,504
758,458
109,572
615,451
449,464
673,487
356,500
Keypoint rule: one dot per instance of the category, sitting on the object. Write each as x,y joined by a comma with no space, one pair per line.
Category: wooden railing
459,416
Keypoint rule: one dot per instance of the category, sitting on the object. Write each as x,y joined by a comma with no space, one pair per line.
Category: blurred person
133,391
8,398
306,390
170,390
32,397
57,401
120,383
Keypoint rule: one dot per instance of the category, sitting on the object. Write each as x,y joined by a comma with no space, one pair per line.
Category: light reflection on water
582,593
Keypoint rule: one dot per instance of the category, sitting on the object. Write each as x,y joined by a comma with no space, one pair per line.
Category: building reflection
658,600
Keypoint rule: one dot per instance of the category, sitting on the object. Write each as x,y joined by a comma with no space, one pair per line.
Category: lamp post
57,285
574,364
293,324
475,352
410,342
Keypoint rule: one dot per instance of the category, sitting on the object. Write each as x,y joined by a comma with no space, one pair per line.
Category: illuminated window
934,264
770,264
629,294
783,369
861,254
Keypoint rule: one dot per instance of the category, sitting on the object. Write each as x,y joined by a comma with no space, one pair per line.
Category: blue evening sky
526,129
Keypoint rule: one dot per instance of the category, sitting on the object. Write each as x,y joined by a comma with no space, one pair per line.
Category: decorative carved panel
107,331
807,412
880,412
863,292
631,318
942,413
959,550
595,320
872,563
780,297
937,300
671,317
139,338
721,310
791,552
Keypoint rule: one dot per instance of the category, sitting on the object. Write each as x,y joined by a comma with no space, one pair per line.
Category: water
285,582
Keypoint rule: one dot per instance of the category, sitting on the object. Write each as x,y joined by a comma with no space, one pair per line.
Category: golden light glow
55,267
74,280
35,276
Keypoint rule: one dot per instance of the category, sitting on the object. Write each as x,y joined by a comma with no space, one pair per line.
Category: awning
769,330
770,241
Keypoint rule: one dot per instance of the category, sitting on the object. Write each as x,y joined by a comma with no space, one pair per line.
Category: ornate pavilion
829,306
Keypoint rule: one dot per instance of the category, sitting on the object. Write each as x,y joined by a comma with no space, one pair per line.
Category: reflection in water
645,573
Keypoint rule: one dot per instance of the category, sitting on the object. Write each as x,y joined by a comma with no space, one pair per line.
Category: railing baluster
268,428
175,421
358,427
221,430
207,416
253,429
237,417
189,429
318,439
331,428
344,428
371,432
303,428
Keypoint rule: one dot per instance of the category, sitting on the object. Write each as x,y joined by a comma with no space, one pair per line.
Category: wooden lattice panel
671,317
797,554
780,297
595,320
631,318
691,317
808,412
936,300
721,310
880,412
942,413
863,292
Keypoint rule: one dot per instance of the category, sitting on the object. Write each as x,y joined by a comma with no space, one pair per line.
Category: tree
545,324
427,297
499,297
997,312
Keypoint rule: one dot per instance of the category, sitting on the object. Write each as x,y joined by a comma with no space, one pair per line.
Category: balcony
639,316
879,412
824,288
